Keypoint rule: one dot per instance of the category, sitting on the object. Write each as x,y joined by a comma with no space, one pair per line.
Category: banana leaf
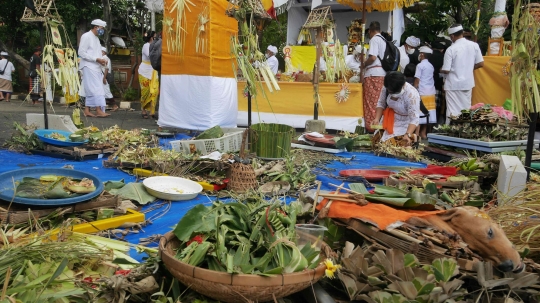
33,188
359,188
114,185
389,191
211,133
345,142
199,219
414,200
134,191
58,192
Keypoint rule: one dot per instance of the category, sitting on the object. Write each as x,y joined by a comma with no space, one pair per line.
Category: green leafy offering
58,187
134,191
35,189
255,238
397,197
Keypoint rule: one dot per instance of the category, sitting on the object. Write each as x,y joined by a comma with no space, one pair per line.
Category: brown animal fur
473,226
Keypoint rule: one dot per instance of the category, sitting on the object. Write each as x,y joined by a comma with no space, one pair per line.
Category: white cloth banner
298,121
197,102
398,25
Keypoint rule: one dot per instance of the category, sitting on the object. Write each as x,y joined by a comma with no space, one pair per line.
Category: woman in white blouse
399,104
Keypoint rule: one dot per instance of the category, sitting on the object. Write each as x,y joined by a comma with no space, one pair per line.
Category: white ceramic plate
172,188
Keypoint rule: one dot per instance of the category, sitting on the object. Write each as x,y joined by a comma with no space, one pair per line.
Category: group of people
403,102
96,72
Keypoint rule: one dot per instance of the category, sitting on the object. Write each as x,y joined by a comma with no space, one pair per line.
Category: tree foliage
437,15
275,33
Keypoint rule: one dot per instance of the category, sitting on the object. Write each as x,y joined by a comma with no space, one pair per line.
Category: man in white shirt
408,48
91,62
423,81
353,61
271,59
373,73
6,69
460,60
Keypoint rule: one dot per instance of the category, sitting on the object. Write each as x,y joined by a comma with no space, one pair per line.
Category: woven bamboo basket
235,287
242,176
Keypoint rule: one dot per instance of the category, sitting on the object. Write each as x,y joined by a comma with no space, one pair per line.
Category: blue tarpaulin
161,222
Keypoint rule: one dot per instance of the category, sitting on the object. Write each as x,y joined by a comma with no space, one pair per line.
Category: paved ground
16,110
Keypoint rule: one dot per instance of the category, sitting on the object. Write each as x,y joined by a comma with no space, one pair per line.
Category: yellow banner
217,60
303,58
296,98
491,86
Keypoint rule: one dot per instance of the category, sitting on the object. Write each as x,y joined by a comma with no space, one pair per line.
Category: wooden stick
319,183
345,189
342,200
6,283
339,188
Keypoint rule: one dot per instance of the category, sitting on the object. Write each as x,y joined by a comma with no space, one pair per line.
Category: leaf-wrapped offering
256,238
53,187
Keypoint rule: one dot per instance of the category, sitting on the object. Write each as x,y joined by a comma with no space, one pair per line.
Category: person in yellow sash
424,82
399,103
148,80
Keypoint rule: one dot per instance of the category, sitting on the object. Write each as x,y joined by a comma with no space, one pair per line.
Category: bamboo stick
319,183
6,283
346,189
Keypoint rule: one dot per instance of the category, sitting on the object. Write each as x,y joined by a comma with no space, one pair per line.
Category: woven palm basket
235,287
242,176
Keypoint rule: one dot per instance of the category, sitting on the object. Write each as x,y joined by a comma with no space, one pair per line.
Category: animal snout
506,266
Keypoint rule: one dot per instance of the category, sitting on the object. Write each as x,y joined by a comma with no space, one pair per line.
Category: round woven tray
235,287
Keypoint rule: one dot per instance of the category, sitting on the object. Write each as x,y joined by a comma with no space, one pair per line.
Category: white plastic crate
230,142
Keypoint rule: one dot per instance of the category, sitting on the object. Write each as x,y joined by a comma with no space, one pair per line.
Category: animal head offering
484,236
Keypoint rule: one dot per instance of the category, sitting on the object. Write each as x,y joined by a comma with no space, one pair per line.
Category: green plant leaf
114,185
431,189
399,202
359,187
421,201
410,260
197,220
134,191
444,269
423,287
390,191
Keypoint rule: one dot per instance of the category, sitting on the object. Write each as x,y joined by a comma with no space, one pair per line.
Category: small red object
436,170
198,238
123,272
369,174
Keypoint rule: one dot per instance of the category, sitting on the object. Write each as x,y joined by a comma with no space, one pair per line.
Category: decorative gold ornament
343,94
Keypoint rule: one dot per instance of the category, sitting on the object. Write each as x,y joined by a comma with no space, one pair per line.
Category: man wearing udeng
91,62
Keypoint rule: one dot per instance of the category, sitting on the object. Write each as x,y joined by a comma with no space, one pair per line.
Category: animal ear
451,214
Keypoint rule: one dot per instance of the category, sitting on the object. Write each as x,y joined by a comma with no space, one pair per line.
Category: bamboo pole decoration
362,41
316,72
477,20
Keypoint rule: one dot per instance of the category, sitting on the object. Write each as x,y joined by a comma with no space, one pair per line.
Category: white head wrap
272,48
4,54
425,50
104,49
454,30
413,41
357,49
99,22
